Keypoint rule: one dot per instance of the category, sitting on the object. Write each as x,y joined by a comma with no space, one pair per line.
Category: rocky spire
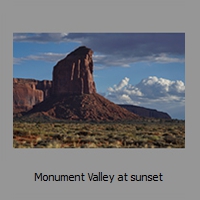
74,74
69,99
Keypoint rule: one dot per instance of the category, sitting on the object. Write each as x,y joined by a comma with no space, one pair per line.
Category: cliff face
29,92
74,74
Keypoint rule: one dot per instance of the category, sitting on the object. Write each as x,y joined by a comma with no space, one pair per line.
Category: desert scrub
110,128
99,135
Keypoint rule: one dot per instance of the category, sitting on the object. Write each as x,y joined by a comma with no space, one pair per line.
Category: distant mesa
70,95
146,112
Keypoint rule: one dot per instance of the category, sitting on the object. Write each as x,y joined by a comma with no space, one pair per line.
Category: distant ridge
146,112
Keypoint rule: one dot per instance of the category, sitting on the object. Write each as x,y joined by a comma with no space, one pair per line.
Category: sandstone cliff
29,92
74,74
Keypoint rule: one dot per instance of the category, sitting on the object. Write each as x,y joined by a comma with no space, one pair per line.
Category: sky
143,69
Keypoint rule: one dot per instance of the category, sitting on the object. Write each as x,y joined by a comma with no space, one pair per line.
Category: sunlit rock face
74,74
29,92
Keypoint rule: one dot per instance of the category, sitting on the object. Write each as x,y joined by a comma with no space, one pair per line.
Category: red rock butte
74,74
72,94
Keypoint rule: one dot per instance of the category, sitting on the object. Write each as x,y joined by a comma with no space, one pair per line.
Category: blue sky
144,69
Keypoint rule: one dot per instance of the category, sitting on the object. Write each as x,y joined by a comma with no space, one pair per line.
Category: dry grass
135,134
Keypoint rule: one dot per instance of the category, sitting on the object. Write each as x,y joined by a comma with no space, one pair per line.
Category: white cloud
152,92
159,87
113,60
46,57
164,58
123,83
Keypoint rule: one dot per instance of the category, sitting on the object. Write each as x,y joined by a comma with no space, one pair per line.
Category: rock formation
73,94
74,74
85,107
29,92
146,112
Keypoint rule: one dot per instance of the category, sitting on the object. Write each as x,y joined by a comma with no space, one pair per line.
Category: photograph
99,90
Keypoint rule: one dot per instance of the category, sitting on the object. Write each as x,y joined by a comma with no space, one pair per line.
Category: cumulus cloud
122,84
120,49
152,92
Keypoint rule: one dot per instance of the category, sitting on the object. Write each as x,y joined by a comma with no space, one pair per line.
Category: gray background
179,166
